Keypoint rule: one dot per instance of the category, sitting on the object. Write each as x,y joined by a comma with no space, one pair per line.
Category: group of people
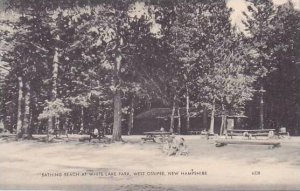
175,146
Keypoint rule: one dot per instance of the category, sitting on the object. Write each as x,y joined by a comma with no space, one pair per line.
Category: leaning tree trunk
131,115
26,123
117,128
19,115
222,128
212,117
172,117
187,110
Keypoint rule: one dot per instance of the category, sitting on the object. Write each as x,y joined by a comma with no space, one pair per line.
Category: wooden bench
220,143
152,135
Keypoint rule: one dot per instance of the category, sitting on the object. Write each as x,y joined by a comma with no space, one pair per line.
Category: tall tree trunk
19,115
187,110
223,128
223,121
52,121
56,123
179,121
33,113
261,116
68,125
131,117
117,128
205,120
26,123
104,126
172,116
82,118
212,117
50,126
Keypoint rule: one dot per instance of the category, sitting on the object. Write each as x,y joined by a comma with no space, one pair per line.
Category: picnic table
194,132
153,135
60,132
96,135
282,133
250,133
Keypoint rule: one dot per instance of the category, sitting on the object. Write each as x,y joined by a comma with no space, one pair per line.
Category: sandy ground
78,165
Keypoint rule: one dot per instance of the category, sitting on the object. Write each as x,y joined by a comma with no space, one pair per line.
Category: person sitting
94,134
81,131
182,147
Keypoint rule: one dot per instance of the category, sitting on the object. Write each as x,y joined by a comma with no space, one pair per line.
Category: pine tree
281,85
272,34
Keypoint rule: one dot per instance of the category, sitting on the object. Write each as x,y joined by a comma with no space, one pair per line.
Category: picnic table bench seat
250,133
148,139
220,143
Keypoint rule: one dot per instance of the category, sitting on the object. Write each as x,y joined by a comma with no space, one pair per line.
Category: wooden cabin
156,118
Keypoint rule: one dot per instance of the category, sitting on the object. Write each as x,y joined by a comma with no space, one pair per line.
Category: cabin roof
164,113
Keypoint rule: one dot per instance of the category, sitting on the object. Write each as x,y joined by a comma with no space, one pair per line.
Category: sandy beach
136,166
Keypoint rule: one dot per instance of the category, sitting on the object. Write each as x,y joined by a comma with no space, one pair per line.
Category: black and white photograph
150,95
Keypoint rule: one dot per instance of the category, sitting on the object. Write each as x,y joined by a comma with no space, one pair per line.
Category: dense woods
97,64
